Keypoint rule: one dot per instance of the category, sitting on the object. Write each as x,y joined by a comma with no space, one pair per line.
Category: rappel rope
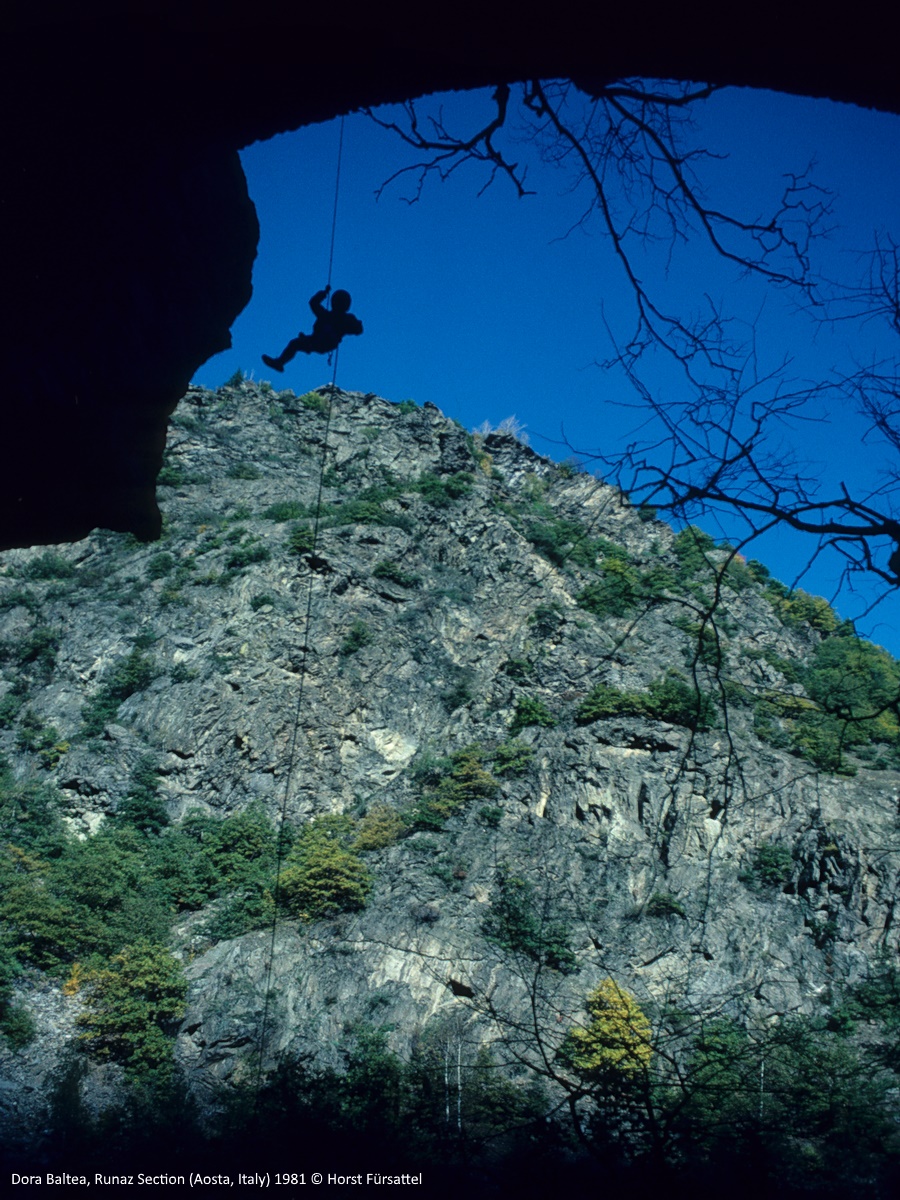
307,624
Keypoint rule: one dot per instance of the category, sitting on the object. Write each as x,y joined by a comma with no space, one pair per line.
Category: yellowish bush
618,1037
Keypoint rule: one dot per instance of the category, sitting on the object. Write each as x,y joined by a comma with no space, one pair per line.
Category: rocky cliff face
591,741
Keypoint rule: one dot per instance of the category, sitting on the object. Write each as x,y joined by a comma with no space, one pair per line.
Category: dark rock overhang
128,235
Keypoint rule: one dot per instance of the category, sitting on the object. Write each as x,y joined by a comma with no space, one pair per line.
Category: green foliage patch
133,1006
244,470
531,710
442,490
512,758
323,875
673,699
449,785
562,540
381,826
392,571
357,636
131,674
247,554
770,867
617,1040
693,554
49,565
520,922
301,539
143,807
286,510
852,688
661,904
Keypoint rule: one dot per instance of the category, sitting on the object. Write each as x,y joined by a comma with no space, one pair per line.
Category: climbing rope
307,625
337,190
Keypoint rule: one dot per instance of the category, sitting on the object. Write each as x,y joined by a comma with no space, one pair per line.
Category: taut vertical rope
307,623
337,189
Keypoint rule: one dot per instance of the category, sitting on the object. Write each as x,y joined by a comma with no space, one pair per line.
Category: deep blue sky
481,305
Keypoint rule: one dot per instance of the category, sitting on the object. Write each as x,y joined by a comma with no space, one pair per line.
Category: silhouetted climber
331,325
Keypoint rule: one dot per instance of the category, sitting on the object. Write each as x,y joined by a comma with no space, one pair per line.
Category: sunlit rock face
128,238
461,599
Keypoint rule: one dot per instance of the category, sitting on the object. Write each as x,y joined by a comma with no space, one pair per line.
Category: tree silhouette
723,437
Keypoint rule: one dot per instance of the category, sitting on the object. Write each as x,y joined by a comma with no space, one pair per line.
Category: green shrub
50,565
362,512
39,649
442,490
615,594
459,691
248,909
18,597
31,734
301,539
17,1027
676,700
800,608
258,602
237,850
160,564
316,402
132,674
852,687
10,707
822,740
450,785
530,710
520,923
622,588
618,1040
388,569
286,510
518,669
322,875
605,701
247,555
512,758
407,406
692,550
142,806
673,699
381,826
244,470
358,636
490,815
770,867
546,619
705,644
90,897
854,679
661,904
562,540
133,1006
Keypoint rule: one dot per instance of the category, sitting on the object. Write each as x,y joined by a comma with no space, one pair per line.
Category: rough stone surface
605,817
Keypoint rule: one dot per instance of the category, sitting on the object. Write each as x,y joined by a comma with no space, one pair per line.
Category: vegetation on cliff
479,740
